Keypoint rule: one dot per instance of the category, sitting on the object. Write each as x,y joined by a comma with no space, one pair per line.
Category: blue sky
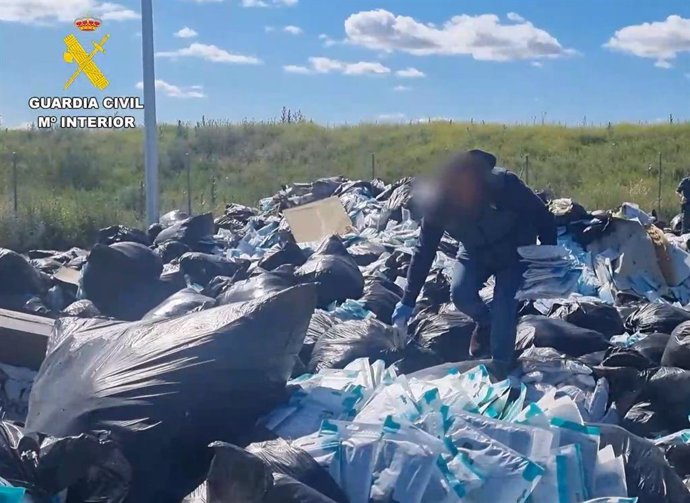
346,61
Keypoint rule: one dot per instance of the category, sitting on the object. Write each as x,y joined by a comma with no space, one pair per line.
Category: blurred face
463,189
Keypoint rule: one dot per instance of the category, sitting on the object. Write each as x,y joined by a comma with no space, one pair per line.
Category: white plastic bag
405,461
508,476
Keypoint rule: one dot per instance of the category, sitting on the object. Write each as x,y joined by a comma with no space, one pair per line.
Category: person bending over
491,212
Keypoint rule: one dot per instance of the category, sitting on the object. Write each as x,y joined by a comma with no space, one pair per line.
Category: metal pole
14,183
658,200
527,169
189,184
151,135
373,166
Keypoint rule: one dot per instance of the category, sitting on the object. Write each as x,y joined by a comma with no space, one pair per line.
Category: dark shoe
500,369
480,346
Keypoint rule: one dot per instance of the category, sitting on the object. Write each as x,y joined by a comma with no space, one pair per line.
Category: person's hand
401,314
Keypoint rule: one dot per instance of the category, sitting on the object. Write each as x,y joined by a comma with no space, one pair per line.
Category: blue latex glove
401,314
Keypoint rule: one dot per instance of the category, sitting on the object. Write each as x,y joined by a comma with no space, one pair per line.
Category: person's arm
522,198
429,238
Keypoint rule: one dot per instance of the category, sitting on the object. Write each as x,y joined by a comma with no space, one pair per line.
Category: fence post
142,200
527,169
189,183
213,191
373,166
658,200
14,183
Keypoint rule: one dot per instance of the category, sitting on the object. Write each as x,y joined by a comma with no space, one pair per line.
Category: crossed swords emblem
85,64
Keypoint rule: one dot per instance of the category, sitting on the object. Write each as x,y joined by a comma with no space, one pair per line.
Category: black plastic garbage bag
256,287
112,273
235,217
642,420
46,265
668,390
171,250
626,357
447,333
345,342
650,318
217,286
677,352
25,303
380,297
288,490
366,252
168,388
416,358
652,347
321,322
81,309
89,466
543,332
238,476
17,275
153,231
172,217
648,475
120,233
400,198
286,252
436,289
183,302
196,232
281,457
592,315
398,263
201,268
132,302
334,271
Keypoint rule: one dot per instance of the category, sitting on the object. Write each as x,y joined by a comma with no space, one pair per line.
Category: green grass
73,182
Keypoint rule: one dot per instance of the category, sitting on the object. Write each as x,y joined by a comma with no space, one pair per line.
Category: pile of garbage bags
221,361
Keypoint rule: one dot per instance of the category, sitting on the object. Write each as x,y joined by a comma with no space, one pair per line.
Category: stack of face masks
458,438
551,272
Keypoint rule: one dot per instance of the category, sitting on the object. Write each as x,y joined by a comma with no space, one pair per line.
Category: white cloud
63,11
302,70
327,41
269,3
410,73
293,30
537,64
327,65
210,53
660,40
482,37
173,91
663,64
269,29
515,17
402,89
186,32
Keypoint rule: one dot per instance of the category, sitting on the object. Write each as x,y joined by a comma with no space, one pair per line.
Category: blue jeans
469,277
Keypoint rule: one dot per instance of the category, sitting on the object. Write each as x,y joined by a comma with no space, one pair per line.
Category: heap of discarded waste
251,359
